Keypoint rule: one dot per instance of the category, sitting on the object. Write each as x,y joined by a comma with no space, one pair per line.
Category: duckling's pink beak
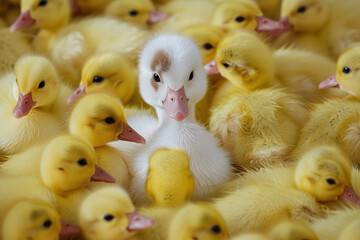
24,105
101,176
68,229
286,26
139,222
156,16
130,135
266,24
211,68
77,94
330,82
23,21
176,104
349,196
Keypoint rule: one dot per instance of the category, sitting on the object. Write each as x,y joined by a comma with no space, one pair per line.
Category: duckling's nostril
172,99
181,98
26,102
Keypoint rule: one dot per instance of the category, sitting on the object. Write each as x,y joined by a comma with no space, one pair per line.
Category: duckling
259,127
316,23
177,82
141,12
99,119
112,73
71,44
32,219
292,230
33,108
205,223
257,199
232,15
92,6
12,46
64,164
336,121
109,214
339,224
250,236
270,8
169,182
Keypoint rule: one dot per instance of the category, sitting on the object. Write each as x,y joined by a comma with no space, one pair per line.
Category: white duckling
172,80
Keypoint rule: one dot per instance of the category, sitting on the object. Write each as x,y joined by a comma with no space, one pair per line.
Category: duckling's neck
165,119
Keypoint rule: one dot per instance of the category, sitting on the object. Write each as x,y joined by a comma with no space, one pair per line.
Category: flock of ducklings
183,119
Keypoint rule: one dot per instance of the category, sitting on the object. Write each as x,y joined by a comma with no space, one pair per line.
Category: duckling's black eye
133,13
191,75
239,19
330,181
42,3
346,70
109,217
47,223
208,46
301,9
82,162
226,65
98,79
156,77
216,229
109,120
41,84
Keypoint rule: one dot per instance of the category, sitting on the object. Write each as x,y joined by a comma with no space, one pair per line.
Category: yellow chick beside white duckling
109,214
169,181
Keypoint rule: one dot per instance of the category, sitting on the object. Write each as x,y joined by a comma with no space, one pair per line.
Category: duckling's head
37,82
351,231
245,61
323,172
292,230
44,14
68,163
99,119
198,221
304,15
242,14
31,219
171,75
207,37
347,75
140,12
109,214
169,182
108,72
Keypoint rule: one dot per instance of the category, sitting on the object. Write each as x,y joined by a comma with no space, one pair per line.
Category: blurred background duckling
99,118
169,181
33,219
270,8
33,108
109,214
174,223
112,73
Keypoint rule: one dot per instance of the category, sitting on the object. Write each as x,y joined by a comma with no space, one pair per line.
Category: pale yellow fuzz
108,200
323,172
169,181
26,221
93,6
192,221
270,8
292,230
88,121
250,236
258,127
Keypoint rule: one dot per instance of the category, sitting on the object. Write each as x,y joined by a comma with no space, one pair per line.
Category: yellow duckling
292,230
192,221
339,225
99,119
251,236
91,6
336,121
109,214
169,181
233,15
32,219
274,193
270,8
111,73
315,24
259,127
12,47
33,108
140,12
